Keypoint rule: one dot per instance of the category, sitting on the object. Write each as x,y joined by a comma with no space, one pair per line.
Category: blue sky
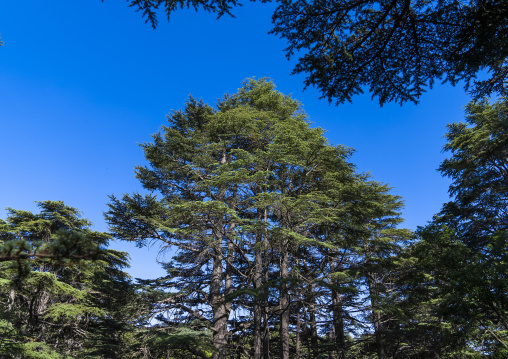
83,82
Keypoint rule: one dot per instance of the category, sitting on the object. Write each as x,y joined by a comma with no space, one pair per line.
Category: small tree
52,300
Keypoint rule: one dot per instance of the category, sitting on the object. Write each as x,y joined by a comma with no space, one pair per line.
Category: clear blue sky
83,82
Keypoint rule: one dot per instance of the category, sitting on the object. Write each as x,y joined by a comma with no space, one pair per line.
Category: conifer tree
49,303
462,252
248,198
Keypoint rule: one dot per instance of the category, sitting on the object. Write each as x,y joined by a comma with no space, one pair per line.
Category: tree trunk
220,317
266,336
376,314
284,302
297,339
258,278
376,318
220,308
266,326
257,330
338,326
313,327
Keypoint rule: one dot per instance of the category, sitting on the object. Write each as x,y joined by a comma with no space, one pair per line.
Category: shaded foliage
463,251
57,305
397,49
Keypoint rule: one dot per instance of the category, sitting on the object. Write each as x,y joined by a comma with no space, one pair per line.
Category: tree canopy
62,306
464,249
276,248
397,49
257,208
57,234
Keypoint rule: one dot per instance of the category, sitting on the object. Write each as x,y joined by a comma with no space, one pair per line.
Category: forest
276,245
279,248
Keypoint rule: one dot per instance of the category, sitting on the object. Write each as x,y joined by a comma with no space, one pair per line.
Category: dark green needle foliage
149,8
64,303
464,250
478,169
55,235
395,49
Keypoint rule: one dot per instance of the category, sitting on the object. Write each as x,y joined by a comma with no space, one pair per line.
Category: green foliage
463,251
9,338
56,235
149,7
277,246
398,49
52,296
179,342
40,350
478,169
256,207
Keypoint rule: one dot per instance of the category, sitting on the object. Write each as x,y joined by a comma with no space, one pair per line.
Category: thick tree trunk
331,351
381,354
220,273
258,279
266,326
376,318
376,314
313,327
266,337
258,345
220,317
338,336
284,303
338,325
